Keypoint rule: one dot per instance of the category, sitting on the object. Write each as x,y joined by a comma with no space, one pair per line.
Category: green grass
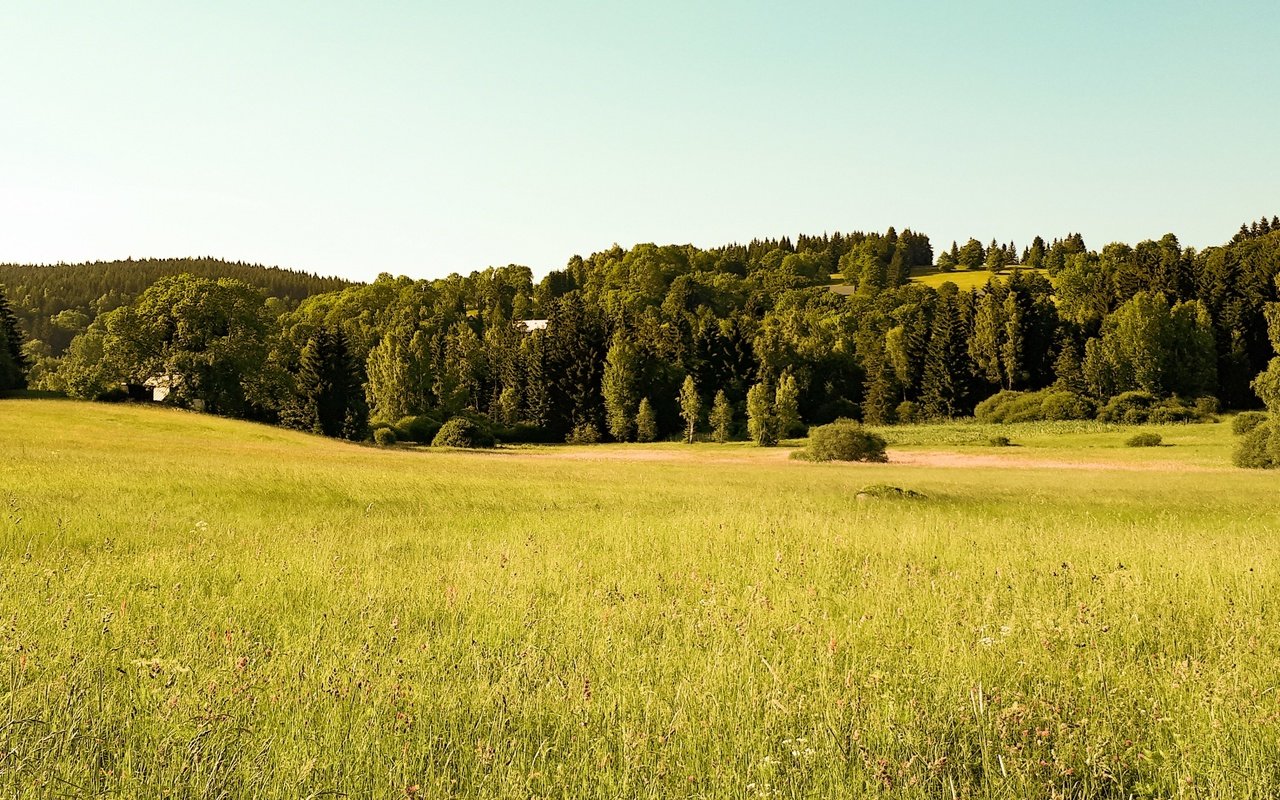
964,279
194,607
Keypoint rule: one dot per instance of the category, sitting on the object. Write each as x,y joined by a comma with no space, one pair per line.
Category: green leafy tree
721,417
762,426
1013,348
621,371
646,422
972,255
786,406
388,390
690,408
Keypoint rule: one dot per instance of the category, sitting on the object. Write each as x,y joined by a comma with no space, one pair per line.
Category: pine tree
619,387
646,422
761,425
944,383
1067,369
330,389
13,361
721,417
690,408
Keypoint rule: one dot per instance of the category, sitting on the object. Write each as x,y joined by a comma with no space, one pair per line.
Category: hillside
56,302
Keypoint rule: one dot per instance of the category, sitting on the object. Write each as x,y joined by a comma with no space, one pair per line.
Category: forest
657,341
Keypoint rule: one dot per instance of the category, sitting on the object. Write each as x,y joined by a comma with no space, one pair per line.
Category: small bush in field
1257,449
1247,421
999,441
462,432
1143,440
843,440
384,437
586,433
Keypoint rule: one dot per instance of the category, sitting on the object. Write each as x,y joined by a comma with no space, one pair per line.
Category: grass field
195,607
964,279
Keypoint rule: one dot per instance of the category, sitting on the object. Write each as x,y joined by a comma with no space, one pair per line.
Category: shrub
462,432
1258,449
1143,440
384,437
907,412
1047,404
843,440
1128,407
999,441
1206,407
1247,421
586,433
421,429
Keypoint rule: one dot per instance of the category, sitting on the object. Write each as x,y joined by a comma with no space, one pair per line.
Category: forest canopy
658,341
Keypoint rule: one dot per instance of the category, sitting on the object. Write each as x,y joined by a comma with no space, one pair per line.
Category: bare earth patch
942,458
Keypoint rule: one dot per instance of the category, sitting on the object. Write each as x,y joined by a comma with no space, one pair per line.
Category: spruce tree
646,422
944,383
13,361
721,417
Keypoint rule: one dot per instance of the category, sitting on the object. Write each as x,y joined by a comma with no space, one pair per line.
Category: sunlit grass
206,608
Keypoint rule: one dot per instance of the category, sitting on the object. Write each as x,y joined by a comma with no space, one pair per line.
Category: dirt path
946,459
941,458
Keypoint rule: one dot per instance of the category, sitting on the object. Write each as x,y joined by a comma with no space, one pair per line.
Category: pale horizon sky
425,138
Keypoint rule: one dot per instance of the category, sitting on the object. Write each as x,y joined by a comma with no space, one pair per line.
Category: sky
424,138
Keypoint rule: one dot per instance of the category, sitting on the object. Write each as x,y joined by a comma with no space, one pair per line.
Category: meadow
201,608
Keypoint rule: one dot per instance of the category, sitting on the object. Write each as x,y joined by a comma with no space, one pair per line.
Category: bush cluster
843,440
1047,405
1142,408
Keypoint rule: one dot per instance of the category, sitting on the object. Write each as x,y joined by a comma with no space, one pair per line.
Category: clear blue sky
429,137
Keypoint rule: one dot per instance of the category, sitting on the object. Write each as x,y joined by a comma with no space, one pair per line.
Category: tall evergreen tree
945,382
330,387
646,422
13,360
721,418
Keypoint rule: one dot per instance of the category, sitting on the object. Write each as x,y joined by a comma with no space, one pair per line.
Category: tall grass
191,607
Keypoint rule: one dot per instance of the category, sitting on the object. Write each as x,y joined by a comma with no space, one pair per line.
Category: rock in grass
883,491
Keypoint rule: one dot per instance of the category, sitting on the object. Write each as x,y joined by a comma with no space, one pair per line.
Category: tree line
662,341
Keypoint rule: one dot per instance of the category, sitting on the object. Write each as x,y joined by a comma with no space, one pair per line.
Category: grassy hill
964,279
208,608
